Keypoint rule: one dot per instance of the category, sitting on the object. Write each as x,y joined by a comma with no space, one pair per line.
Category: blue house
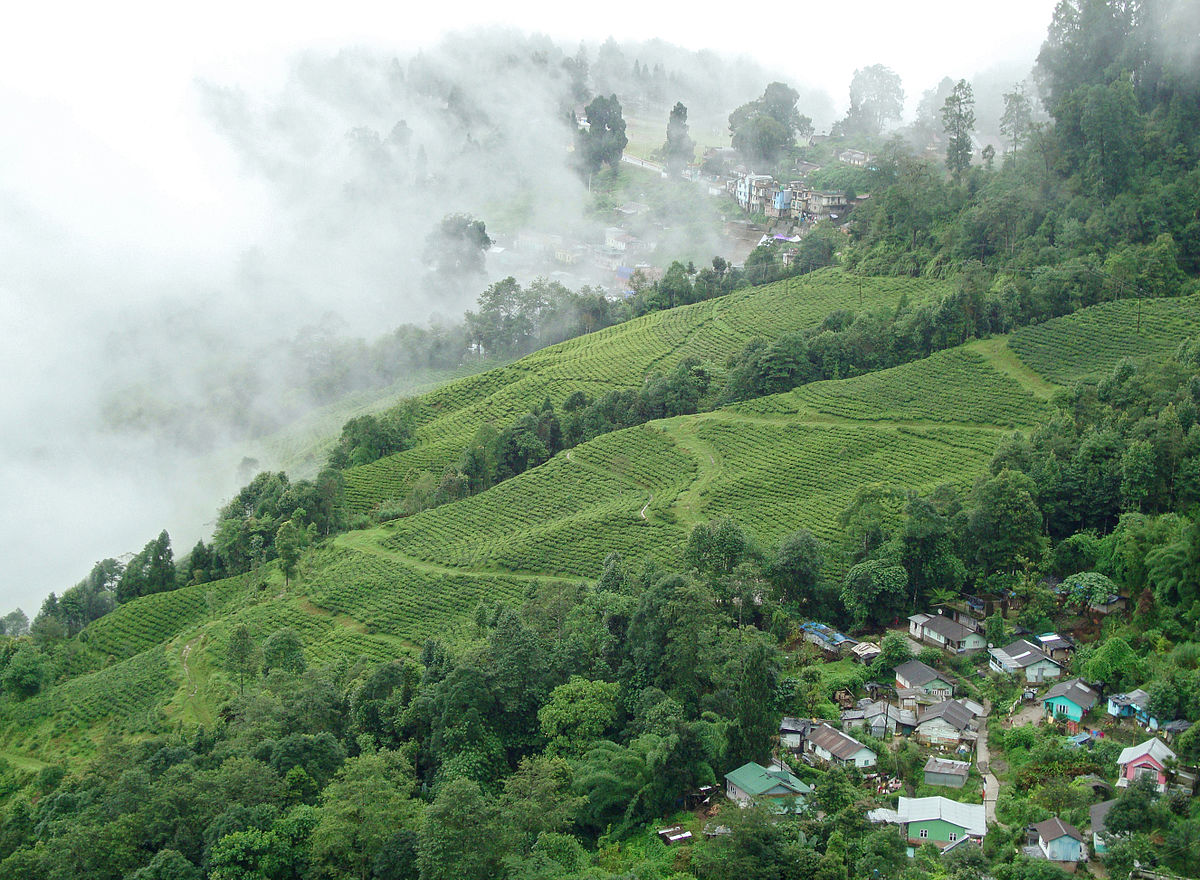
1069,699
1060,842
1132,705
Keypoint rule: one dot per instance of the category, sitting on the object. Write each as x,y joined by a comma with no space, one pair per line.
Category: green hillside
620,357
774,464
1089,343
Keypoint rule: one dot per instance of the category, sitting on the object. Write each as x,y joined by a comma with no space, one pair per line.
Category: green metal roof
755,779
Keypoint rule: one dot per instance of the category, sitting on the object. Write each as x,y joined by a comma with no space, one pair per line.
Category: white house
834,747
1023,659
915,675
945,724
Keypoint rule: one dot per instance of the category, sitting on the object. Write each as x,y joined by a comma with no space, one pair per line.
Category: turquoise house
1069,699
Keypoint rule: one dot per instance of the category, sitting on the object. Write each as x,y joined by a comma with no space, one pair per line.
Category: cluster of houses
794,200
926,709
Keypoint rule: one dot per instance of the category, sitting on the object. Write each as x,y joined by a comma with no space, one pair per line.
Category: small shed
942,771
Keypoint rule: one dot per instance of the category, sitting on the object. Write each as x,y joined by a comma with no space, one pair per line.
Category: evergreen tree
958,122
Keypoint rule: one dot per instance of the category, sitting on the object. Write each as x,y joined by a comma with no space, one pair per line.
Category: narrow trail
187,670
647,504
983,757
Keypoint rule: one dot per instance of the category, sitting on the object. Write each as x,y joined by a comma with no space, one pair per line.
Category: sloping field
1090,342
958,386
620,357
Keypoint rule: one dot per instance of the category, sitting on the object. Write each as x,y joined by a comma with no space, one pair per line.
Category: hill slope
775,464
619,357
1089,343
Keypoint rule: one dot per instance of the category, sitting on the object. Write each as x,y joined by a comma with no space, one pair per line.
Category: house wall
1061,707
790,740
1061,849
1043,670
938,731
736,794
1131,769
947,779
863,758
974,642
937,831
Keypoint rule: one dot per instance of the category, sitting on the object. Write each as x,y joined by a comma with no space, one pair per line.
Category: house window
953,836
924,833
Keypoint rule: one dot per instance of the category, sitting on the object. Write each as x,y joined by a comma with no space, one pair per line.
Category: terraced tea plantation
958,386
564,517
1090,342
620,357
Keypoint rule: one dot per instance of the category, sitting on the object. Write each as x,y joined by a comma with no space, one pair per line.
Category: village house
1070,699
940,821
943,771
1145,759
857,158
793,731
1060,842
833,747
1023,659
884,718
1131,705
1056,647
915,675
1100,834
823,203
777,787
948,723
943,632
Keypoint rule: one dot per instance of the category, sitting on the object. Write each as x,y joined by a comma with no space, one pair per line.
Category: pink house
1146,759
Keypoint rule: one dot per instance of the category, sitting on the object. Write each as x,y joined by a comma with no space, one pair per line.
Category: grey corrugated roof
970,817
945,765
1075,691
917,673
1098,813
1022,653
952,712
835,742
947,628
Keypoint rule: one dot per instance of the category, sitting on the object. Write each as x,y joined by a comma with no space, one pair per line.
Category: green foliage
1116,664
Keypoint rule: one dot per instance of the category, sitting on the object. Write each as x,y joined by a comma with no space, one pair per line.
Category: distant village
930,707
611,263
